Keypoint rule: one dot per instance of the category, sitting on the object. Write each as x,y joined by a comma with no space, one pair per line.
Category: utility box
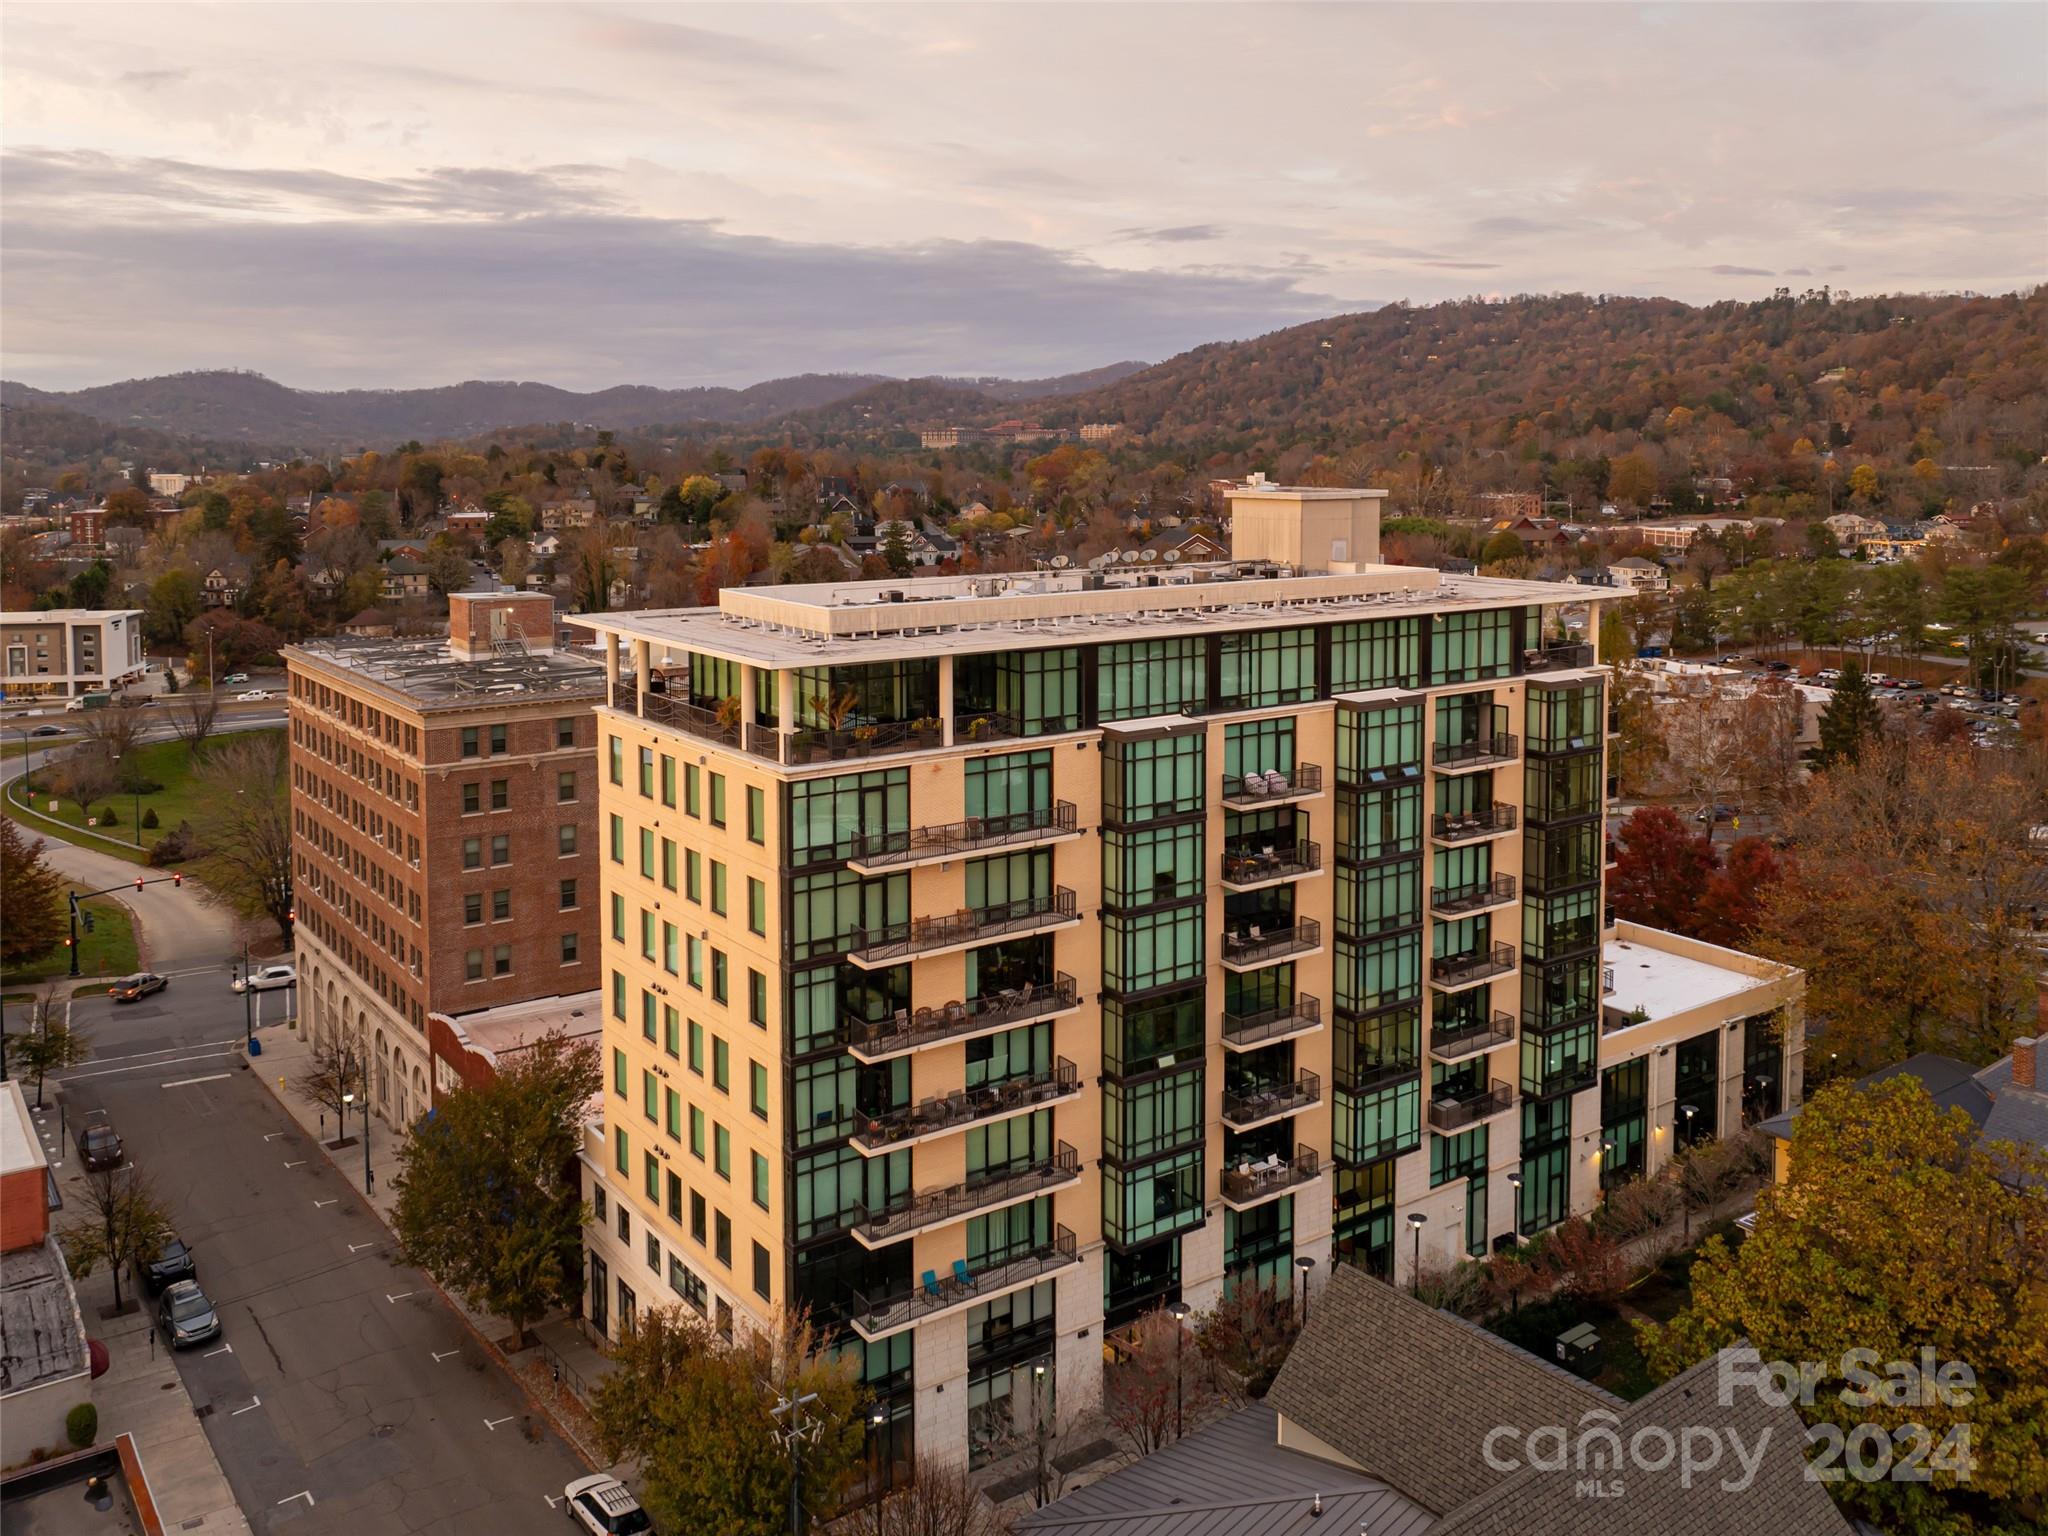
1578,1350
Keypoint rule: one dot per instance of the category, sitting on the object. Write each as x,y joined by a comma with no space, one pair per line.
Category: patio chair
931,1284
962,1276
1276,782
1255,783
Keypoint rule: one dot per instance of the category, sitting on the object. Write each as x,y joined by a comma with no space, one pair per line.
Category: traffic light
86,913
138,882
177,880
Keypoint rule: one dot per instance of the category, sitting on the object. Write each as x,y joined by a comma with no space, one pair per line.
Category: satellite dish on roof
1061,562
1148,555
1114,556
1172,555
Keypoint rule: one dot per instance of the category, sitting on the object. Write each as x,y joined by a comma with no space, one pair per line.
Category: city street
344,1395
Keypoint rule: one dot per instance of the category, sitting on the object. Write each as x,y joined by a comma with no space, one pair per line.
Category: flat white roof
18,1146
1663,983
514,1026
71,616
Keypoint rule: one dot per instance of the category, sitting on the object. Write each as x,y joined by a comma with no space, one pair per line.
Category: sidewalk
285,1057
142,1395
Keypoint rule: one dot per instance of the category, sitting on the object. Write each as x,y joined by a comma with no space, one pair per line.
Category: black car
100,1146
173,1262
129,988
47,730
186,1317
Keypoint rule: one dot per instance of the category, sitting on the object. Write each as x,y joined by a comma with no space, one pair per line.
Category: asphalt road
344,1394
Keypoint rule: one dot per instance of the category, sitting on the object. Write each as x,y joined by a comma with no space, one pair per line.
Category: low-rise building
64,652
1636,574
469,1049
45,1368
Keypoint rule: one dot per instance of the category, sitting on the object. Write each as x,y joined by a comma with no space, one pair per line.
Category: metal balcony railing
876,1316
1250,791
911,1029
1448,1114
1250,1182
965,1106
913,1212
1458,970
1253,945
1245,865
1452,827
1250,1029
1558,658
1571,1077
1480,750
1490,1032
1450,900
818,744
986,725
969,925
882,849
1246,1107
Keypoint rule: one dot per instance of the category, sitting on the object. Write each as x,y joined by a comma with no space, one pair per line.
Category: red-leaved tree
1662,869
1732,905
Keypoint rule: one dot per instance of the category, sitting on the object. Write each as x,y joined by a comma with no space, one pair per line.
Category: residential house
469,518
1852,528
372,623
222,589
1637,574
1536,533
88,530
1185,545
578,512
405,578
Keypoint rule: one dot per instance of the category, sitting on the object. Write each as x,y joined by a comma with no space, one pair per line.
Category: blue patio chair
931,1283
962,1277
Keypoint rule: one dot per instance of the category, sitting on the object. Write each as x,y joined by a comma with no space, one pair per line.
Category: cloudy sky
588,194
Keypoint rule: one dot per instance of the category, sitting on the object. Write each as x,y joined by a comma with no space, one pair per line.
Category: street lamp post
1179,1312
1038,1424
876,1419
1685,1195
1416,1222
1302,1265
248,1015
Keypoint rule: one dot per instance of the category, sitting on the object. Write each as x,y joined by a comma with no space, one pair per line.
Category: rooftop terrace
428,674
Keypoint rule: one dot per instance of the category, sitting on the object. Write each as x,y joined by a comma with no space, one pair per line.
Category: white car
233,678
270,976
604,1506
255,696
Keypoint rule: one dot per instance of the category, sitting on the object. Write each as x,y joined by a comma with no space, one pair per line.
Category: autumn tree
940,1499
32,916
1731,907
1661,870
1898,1230
121,1222
1632,480
1159,1384
697,1412
1706,756
244,826
1246,1337
1849,720
483,1206
333,1073
193,716
1639,750
1763,727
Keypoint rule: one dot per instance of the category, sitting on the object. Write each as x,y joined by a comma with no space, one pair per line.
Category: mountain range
230,406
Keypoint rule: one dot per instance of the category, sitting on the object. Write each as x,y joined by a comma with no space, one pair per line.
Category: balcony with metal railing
917,936
1480,752
943,1114
1256,791
1254,864
921,1210
1452,973
878,1316
1455,1114
1248,1108
1269,1026
1488,1033
1253,946
1565,1077
1250,1184
1560,656
914,1029
1478,896
880,852
1495,820
821,744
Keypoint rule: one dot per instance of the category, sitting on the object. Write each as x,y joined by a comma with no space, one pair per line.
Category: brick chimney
2025,1063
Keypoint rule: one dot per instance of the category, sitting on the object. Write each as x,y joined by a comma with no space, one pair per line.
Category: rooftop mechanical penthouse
990,959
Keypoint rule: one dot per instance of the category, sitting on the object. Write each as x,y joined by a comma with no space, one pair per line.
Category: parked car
1720,813
131,988
604,1506
233,678
186,1317
100,1145
1779,666
1731,661
263,980
173,1262
1909,684
255,696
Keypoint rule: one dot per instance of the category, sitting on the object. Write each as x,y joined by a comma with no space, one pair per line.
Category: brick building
424,773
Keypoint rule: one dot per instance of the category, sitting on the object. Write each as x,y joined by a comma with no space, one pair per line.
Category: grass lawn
168,763
109,950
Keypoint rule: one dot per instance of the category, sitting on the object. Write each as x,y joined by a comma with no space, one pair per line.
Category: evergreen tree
32,912
1850,719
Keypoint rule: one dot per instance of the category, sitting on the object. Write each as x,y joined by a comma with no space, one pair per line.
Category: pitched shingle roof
1408,1393
1779,1498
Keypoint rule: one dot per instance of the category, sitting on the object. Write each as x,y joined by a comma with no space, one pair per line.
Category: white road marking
359,1247
145,1066
299,1164
169,1050
187,1082
253,1406
553,1499
225,1349
301,1494
275,1134
395,1300
322,1204
492,1424
439,1356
